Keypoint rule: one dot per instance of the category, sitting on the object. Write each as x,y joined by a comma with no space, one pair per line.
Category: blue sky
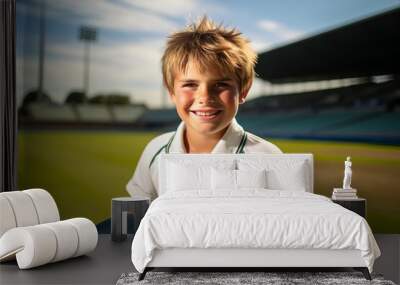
132,33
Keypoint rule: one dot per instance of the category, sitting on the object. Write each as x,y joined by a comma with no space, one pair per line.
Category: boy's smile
206,114
206,101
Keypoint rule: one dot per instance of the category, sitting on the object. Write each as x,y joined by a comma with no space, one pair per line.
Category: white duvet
250,219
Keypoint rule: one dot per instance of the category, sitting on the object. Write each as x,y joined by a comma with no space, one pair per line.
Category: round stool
120,208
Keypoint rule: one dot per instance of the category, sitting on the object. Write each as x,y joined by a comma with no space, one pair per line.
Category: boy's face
206,101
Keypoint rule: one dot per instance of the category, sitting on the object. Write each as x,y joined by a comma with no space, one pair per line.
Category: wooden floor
111,259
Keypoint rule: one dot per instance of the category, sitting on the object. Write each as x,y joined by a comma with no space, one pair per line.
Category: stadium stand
50,112
93,113
126,113
380,127
258,122
162,119
350,125
366,112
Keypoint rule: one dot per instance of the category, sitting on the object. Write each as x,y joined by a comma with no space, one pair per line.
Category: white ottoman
31,232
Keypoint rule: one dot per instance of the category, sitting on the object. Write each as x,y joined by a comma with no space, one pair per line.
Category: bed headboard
282,169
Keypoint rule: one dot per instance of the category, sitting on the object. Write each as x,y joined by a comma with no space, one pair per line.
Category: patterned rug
269,278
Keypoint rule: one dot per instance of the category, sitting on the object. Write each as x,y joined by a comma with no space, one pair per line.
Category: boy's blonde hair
209,45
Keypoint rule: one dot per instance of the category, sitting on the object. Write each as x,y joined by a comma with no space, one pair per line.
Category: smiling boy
208,71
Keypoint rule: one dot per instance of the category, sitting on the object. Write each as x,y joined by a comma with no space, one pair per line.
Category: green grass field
84,170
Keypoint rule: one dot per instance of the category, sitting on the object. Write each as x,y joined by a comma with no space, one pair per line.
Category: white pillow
293,177
183,177
225,179
282,174
251,178
192,173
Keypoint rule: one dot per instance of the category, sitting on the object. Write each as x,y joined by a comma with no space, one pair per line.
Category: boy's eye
190,85
221,85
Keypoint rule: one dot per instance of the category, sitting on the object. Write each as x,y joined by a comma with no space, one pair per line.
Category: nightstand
120,208
358,205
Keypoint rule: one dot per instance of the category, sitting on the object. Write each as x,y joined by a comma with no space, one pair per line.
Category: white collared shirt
144,182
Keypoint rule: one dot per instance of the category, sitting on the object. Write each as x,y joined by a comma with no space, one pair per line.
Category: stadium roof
364,48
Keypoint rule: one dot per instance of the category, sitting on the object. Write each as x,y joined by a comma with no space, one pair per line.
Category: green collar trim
166,147
242,143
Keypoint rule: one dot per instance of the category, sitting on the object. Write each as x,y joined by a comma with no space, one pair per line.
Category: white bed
247,210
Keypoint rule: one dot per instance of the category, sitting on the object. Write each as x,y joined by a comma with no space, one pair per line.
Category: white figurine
347,174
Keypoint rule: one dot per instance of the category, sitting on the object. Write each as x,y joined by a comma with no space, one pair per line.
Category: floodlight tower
87,35
42,45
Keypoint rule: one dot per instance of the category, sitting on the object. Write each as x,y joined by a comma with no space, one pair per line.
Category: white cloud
138,55
279,30
260,45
